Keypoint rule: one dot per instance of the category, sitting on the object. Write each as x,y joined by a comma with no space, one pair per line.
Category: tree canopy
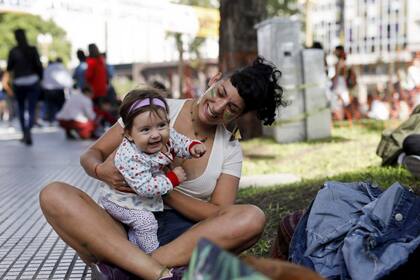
274,7
34,26
281,7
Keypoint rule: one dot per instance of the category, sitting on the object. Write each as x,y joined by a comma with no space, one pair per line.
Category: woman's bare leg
235,228
89,230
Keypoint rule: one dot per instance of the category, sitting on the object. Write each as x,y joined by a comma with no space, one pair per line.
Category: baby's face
150,131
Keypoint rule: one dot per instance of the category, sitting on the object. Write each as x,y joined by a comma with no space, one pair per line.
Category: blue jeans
356,231
27,94
171,224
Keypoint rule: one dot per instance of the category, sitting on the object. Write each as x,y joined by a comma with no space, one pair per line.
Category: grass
347,150
348,156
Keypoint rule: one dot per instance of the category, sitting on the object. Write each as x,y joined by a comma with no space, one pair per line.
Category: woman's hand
109,174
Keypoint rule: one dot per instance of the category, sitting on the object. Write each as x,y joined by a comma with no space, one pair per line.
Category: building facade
380,37
128,30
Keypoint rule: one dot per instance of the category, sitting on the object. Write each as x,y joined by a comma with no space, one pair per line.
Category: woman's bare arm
197,209
98,159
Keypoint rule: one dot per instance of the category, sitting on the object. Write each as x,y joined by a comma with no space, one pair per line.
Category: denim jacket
356,231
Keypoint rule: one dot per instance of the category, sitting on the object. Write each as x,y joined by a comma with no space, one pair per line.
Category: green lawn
348,149
348,156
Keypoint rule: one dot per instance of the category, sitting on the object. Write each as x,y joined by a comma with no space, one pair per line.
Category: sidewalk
29,248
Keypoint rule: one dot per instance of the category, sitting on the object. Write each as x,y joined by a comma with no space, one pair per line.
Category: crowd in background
84,103
395,100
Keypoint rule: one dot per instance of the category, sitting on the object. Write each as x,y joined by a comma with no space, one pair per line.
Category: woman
204,206
96,75
343,85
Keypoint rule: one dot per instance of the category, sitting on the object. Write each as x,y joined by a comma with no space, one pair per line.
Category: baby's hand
180,173
198,150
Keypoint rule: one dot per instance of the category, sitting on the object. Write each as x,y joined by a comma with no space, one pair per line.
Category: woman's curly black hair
258,86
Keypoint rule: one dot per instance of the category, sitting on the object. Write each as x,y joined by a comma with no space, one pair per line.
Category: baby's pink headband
146,102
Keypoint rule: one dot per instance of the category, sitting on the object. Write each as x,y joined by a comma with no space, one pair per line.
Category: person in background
343,84
4,110
111,94
104,115
80,70
414,76
25,67
57,80
77,117
339,86
9,97
378,109
110,71
96,74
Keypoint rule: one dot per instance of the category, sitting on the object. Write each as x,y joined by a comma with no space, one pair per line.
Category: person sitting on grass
411,151
77,117
203,206
149,146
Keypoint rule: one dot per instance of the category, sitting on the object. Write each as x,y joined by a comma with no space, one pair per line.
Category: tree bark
238,46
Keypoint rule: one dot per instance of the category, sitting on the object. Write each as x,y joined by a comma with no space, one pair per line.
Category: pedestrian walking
26,69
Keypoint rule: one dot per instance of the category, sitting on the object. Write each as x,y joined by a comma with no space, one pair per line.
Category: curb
268,180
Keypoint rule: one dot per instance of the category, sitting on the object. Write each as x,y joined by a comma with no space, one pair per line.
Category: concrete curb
268,180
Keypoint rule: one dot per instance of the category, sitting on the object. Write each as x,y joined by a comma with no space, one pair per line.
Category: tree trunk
238,46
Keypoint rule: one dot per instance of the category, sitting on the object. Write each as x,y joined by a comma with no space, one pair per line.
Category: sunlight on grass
349,149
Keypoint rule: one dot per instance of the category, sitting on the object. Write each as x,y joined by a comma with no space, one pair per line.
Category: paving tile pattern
29,248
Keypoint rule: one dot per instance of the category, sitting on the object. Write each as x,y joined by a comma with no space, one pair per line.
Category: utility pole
180,47
308,24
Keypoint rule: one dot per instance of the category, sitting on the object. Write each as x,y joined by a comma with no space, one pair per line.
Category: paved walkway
29,248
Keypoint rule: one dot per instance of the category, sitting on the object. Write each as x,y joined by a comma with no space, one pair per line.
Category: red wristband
173,178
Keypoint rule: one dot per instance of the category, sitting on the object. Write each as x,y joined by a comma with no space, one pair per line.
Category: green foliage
34,25
281,7
123,85
347,150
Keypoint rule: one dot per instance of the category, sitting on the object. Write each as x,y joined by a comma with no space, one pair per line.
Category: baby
143,158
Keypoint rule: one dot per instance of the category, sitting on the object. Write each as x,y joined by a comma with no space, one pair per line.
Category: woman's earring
236,133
